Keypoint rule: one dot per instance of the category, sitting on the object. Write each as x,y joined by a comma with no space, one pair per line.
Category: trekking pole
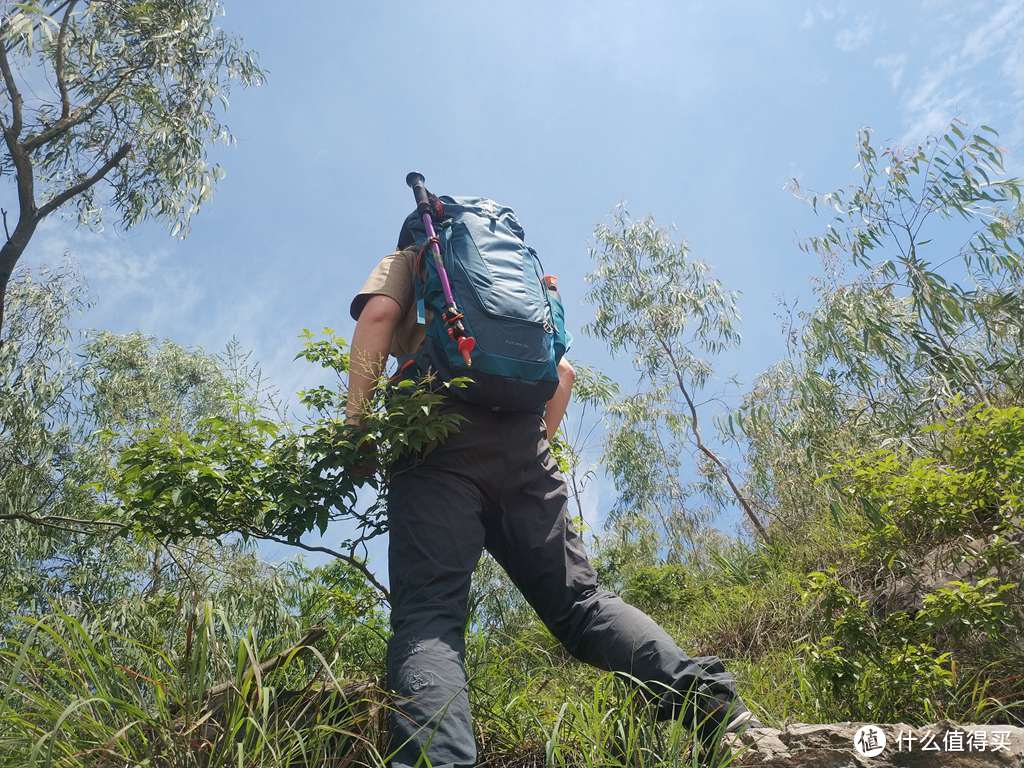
452,316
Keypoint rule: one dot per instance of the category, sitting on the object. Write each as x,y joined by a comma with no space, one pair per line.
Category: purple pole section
428,225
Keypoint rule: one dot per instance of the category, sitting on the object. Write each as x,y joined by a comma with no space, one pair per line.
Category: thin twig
354,562
62,86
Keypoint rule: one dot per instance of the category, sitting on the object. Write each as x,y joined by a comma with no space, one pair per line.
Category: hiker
494,483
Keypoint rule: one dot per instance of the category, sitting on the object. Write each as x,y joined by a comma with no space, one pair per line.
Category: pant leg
436,538
535,543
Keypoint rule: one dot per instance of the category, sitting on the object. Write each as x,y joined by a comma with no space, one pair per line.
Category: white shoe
744,721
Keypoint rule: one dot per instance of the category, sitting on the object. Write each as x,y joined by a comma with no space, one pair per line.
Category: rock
833,745
959,560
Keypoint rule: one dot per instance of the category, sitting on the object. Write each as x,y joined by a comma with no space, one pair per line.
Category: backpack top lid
412,228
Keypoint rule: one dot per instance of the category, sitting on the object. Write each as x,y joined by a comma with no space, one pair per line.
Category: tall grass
73,696
612,726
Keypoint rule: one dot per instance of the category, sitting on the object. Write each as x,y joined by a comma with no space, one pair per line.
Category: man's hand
365,462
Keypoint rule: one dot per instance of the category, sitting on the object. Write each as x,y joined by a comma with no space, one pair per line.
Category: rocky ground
835,745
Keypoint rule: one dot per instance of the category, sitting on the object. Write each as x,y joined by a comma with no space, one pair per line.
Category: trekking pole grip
419,190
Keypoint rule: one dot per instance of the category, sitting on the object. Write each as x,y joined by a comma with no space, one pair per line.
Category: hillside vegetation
877,471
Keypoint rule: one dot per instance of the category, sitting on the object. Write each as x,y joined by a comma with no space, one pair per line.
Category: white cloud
993,32
856,36
1013,69
958,60
140,288
894,66
855,31
968,63
158,293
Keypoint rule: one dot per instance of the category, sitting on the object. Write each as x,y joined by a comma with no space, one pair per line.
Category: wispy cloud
993,32
855,30
155,292
855,36
142,289
975,70
894,65
959,60
821,13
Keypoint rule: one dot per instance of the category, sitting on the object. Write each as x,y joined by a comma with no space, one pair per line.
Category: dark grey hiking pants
494,484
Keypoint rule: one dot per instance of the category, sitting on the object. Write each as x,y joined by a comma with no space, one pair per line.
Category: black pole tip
413,178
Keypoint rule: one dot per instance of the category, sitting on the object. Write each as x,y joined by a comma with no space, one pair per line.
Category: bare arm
560,400
371,343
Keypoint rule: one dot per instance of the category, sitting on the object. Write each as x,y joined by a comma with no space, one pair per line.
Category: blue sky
697,113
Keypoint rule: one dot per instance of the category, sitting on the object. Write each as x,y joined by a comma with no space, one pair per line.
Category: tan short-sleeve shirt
394,276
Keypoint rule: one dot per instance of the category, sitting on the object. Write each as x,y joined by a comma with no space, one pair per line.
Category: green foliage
37,381
969,487
917,318
908,321
887,450
661,306
649,292
613,726
660,588
64,410
877,669
335,596
244,473
957,514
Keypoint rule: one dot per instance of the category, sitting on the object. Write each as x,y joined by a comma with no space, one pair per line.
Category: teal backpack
509,306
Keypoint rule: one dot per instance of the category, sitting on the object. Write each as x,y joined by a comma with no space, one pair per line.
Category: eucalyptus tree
36,383
663,308
924,300
112,103
127,438
919,315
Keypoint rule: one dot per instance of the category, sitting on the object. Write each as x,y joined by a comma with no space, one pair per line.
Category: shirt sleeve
393,276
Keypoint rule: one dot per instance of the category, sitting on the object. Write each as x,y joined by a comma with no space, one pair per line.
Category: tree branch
84,184
80,115
12,89
62,86
53,521
216,693
359,565
695,426
22,164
